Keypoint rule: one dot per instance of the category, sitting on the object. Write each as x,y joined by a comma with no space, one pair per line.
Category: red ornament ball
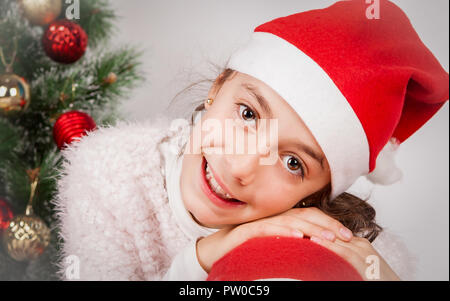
64,41
71,125
6,215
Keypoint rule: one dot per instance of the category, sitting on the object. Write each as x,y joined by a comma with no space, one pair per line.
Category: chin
208,218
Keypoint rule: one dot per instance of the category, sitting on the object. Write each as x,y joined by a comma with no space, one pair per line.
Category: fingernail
315,239
346,233
328,235
297,233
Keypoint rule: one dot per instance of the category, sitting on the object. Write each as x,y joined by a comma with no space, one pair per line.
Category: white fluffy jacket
112,204
113,208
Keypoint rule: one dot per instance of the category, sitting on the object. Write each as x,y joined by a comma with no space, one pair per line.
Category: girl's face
210,169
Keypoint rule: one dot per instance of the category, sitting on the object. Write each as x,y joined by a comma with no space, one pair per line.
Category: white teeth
214,185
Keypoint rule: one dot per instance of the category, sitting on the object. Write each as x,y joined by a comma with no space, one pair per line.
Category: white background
179,37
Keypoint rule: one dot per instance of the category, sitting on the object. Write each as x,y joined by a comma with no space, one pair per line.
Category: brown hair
354,213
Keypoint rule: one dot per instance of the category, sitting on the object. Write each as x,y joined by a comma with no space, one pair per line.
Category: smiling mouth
213,189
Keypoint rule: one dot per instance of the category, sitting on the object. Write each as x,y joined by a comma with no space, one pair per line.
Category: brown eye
247,113
293,165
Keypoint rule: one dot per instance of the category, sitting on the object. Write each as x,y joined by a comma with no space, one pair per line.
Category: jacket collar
172,168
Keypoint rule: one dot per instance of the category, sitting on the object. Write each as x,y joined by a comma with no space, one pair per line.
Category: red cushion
282,257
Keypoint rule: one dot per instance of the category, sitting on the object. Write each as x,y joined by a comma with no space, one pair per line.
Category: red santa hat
362,85
282,258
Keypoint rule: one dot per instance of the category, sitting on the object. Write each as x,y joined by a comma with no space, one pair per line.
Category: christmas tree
58,80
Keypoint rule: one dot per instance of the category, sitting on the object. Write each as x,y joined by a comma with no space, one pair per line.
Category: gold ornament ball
14,93
41,12
26,238
110,79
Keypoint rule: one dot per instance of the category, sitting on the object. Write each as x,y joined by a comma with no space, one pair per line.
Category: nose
242,167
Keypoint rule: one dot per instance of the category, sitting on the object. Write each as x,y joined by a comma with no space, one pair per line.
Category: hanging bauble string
41,12
64,41
27,235
14,90
71,125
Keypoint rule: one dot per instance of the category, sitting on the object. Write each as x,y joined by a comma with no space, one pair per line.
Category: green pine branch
96,84
96,18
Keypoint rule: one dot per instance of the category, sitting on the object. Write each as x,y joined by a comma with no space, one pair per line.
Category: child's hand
357,252
295,222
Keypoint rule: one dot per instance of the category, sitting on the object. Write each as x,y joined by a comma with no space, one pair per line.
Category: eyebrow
261,100
310,151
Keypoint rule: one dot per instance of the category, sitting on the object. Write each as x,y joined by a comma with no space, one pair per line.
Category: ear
213,91
215,88
206,105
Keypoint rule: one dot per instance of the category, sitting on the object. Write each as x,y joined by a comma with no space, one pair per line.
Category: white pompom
386,171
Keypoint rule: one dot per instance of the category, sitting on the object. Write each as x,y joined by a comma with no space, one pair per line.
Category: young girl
157,201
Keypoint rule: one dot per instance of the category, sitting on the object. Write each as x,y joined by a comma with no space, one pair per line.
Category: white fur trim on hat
386,171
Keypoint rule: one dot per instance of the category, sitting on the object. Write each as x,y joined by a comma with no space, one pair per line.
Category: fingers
297,222
360,245
357,252
308,229
318,217
357,247
261,229
342,249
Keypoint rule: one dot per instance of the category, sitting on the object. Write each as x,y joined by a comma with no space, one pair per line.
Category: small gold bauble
41,12
14,93
110,79
26,238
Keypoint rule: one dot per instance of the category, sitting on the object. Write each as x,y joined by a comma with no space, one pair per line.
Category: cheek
190,173
188,170
278,196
